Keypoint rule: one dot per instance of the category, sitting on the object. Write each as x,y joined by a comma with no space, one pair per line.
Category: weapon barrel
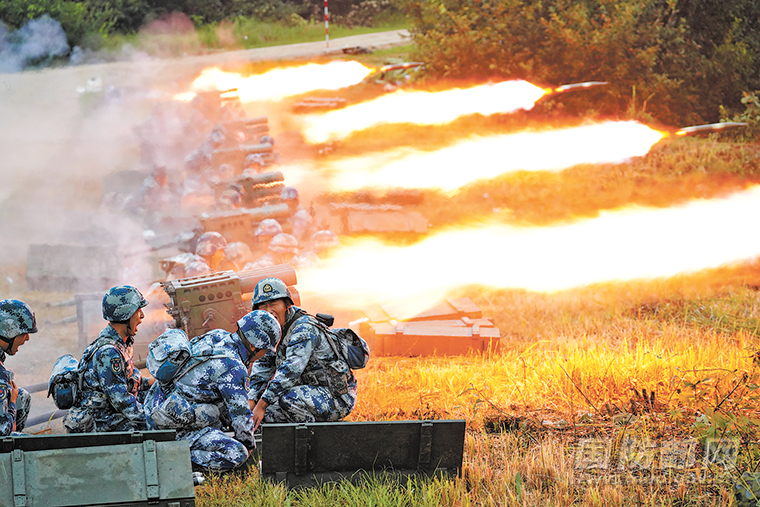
710,127
249,279
263,178
245,122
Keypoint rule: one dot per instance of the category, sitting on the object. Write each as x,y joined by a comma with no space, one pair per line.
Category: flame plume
451,168
627,244
279,83
422,108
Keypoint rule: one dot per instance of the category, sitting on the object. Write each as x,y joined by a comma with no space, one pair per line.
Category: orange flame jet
450,168
277,84
422,108
626,244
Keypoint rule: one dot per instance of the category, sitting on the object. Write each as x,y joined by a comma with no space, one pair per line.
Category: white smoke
37,42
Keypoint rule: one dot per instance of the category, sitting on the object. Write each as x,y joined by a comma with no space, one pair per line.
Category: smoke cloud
37,42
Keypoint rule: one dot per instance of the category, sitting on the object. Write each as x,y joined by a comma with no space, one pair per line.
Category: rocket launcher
219,300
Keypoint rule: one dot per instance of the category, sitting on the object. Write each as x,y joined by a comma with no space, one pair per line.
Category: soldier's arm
261,373
297,355
7,410
233,387
110,368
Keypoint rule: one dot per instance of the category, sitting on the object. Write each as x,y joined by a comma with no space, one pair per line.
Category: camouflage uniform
308,382
11,412
207,398
110,387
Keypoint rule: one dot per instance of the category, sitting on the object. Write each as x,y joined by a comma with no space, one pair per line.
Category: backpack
66,379
171,355
345,343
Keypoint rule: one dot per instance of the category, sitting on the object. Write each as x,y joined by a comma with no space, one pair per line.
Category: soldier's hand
258,413
14,392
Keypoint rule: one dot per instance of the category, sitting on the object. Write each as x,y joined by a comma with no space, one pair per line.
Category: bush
645,49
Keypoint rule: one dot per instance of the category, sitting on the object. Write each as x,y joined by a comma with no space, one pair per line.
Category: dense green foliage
669,60
87,22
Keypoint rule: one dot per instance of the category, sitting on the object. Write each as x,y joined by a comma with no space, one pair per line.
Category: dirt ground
57,146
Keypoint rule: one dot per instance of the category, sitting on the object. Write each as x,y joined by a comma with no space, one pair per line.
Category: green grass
245,33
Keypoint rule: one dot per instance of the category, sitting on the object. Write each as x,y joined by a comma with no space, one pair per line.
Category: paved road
55,151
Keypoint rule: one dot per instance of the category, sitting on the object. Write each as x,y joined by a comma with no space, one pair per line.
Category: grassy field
603,395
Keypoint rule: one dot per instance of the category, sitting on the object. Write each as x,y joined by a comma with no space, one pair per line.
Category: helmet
270,289
266,139
217,137
289,194
324,240
121,302
167,354
254,159
197,268
260,329
284,243
239,253
16,318
209,243
268,227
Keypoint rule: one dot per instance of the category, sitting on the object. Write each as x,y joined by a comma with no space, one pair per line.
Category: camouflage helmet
270,289
260,329
289,194
268,227
209,243
197,268
16,318
167,354
284,243
324,240
254,159
121,302
239,253
266,139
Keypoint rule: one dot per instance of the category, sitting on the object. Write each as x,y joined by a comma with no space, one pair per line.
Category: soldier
265,231
210,247
203,386
17,321
111,383
304,380
322,242
282,249
239,254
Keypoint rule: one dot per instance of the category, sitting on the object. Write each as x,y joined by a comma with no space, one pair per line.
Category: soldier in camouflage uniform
304,380
17,321
203,386
111,384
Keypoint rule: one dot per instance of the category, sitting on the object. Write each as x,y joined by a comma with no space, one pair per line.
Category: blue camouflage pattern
304,381
269,289
11,413
121,302
207,398
260,329
16,318
112,384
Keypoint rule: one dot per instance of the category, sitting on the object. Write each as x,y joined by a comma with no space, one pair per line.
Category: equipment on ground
306,455
453,327
240,225
219,300
104,469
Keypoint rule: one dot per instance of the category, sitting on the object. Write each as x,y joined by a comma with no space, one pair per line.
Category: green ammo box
120,469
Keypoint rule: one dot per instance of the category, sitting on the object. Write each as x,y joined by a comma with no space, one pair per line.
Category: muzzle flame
280,83
422,108
623,245
451,168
